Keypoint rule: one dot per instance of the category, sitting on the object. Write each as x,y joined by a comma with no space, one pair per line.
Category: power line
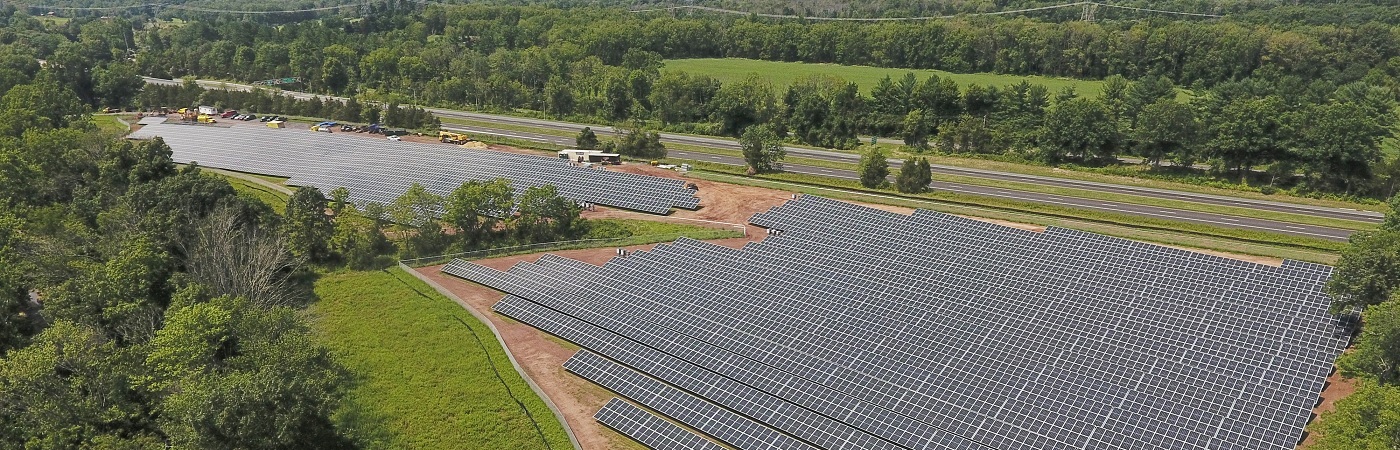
200,9
887,19
90,8
229,11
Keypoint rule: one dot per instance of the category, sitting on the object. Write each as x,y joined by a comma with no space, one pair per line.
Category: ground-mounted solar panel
654,432
380,170
935,331
151,120
741,432
809,426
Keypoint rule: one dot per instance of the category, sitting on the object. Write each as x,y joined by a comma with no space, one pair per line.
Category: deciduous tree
234,375
476,208
916,130
546,216
1167,130
1367,419
1078,128
307,227
1368,271
763,149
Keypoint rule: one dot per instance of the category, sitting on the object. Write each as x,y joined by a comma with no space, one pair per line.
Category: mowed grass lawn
430,376
274,199
782,74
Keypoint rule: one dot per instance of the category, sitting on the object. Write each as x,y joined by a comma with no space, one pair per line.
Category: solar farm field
375,170
852,327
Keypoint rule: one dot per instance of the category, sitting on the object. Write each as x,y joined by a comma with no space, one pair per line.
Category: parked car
228,114
395,138
265,119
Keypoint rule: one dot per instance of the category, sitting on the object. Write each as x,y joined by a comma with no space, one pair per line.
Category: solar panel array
379,171
860,328
654,432
701,415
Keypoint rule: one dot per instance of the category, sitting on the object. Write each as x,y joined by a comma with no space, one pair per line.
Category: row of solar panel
631,259
645,353
652,431
698,414
819,430
1164,427
379,171
800,386
1313,306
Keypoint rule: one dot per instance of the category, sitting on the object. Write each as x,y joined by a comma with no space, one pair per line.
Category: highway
1113,207
1221,220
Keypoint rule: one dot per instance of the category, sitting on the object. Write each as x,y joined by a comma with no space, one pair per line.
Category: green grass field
110,124
782,74
646,228
274,199
430,376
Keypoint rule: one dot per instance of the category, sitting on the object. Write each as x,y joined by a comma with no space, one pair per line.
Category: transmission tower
1089,9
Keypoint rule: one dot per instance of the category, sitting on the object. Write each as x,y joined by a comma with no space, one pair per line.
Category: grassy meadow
782,74
430,376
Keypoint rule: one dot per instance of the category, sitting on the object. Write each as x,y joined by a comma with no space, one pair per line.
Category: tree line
146,305
1280,107
1367,281
395,49
189,94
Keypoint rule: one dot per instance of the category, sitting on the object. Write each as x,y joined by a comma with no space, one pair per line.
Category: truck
205,118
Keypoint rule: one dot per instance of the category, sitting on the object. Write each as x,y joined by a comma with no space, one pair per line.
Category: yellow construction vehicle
448,137
205,118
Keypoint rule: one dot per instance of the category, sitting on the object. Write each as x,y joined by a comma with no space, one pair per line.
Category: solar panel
738,431
380,170
652,431
935,331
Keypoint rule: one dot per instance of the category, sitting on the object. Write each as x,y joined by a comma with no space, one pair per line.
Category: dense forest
148,305
1253,11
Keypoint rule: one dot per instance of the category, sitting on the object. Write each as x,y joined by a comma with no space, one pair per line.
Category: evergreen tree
873,168
586,139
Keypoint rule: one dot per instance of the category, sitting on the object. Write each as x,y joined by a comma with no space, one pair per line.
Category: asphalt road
1115,207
